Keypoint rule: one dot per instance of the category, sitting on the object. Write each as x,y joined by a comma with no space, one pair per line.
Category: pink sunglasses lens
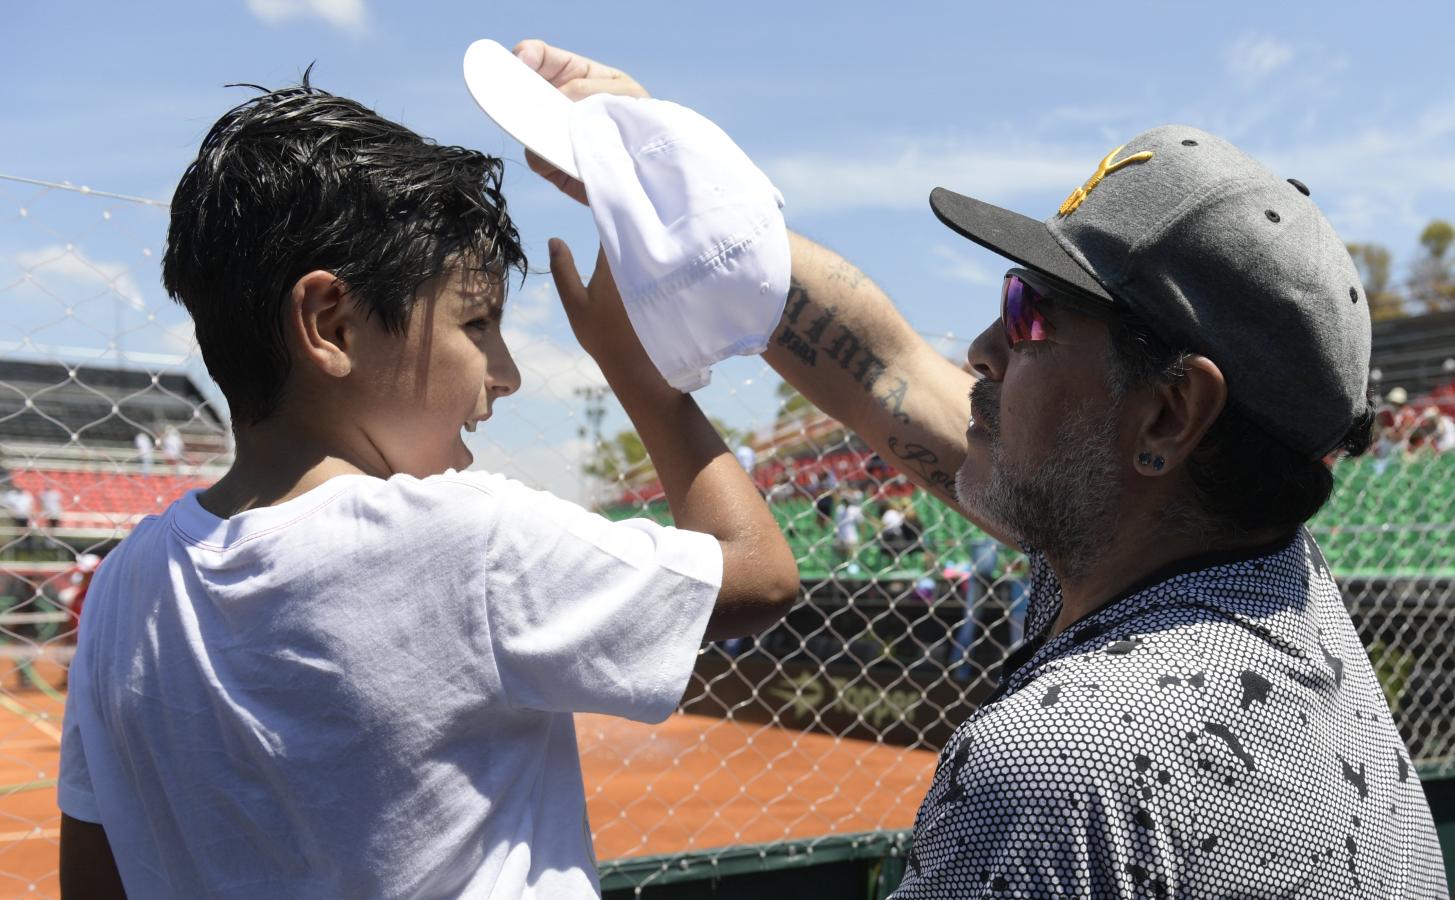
1023,322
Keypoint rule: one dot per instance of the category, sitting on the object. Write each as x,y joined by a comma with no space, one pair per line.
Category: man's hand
576,77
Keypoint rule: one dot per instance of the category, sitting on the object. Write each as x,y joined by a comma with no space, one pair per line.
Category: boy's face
419,389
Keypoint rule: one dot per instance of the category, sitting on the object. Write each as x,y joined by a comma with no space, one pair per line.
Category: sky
855,110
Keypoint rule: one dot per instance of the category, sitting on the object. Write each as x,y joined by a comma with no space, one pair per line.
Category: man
1180,346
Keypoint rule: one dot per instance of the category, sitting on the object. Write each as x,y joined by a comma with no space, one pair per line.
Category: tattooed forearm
798,346
923,462
846,274
844,346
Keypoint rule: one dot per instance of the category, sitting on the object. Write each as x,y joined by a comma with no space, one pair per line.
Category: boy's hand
597,316
577,77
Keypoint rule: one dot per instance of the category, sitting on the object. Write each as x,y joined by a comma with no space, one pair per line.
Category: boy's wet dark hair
296,180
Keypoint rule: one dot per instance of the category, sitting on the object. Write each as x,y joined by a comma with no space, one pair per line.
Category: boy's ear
322,321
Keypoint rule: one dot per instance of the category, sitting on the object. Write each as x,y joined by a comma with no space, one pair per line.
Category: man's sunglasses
1025,298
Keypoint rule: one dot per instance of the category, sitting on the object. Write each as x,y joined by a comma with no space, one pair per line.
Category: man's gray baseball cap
1214,254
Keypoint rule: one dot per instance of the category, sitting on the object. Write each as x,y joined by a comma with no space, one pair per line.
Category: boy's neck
276,461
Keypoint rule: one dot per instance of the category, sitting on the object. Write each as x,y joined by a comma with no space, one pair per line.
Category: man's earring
1147,459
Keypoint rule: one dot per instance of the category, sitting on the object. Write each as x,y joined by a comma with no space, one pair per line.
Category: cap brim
1014,236
524,105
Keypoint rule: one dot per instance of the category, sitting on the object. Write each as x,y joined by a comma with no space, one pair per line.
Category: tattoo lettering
894,400
797,346
797,300
817,327
923,461
846,274
850,349
868,371
844,347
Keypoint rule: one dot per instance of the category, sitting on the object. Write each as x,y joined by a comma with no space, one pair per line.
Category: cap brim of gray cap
1020,238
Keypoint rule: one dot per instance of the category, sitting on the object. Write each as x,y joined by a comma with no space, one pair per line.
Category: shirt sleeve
74,792
589,615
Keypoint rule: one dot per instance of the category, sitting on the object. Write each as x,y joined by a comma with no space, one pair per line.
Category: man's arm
845,347
88,869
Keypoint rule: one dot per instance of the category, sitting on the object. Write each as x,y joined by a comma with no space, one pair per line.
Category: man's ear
322,322
1178,416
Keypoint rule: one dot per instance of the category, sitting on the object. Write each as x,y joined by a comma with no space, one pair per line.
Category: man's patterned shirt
1217,731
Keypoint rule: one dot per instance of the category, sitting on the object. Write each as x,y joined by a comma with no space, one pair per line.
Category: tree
792,405
623,458
619,458
1372,261
1432,284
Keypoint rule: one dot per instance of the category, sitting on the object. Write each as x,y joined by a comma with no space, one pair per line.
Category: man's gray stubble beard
1062,503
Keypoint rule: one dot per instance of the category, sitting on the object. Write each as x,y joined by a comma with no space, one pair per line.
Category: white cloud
899,174
958,266
547,466
66,274
1371,179
346,15
181,338
1253,57
536,304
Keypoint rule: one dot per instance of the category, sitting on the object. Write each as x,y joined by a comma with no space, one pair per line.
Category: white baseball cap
693,231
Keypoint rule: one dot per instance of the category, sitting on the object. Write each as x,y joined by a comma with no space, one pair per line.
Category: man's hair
1243,478
296,180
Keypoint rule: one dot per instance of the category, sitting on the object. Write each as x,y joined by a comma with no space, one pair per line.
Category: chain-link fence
827,724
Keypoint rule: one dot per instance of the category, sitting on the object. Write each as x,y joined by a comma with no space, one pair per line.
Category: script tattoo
923,462
797,300
817,326
798,346
894,400
852,350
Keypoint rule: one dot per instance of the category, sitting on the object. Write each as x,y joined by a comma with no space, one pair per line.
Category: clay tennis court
691,783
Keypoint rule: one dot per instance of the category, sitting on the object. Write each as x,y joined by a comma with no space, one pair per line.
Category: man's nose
987,354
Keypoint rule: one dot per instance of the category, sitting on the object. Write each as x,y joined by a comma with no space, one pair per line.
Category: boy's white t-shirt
367,691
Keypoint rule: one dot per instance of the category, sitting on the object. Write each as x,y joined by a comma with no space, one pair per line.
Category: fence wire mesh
828,723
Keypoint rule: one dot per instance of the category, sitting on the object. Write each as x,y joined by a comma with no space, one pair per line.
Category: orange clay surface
687,784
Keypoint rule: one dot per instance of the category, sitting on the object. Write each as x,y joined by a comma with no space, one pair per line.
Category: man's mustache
985,401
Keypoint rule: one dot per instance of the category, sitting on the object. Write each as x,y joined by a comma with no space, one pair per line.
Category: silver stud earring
1144,459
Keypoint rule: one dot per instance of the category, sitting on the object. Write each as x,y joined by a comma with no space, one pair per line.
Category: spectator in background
823,496
899,529
848,517
891,529
783,488
1444,440
144,448
747,458
173,446
1424,429
50,506
17,506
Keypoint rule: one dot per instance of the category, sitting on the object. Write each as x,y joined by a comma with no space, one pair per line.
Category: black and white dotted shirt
1217,731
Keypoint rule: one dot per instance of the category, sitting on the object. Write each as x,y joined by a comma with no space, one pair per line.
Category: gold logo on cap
1105,168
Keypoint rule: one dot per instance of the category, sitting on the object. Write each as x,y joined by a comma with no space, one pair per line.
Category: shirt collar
1045,600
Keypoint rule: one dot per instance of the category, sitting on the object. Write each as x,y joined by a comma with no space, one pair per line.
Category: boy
348,668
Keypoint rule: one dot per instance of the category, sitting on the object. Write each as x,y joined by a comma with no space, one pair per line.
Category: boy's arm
706,488
88,868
